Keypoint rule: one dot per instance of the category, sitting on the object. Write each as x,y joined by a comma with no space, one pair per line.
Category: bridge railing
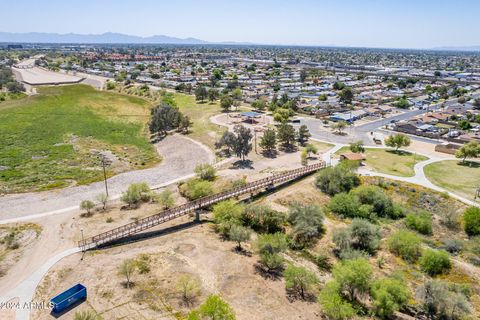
169,214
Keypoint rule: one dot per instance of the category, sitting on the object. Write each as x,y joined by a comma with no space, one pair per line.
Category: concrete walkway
26,290
420,179
180,156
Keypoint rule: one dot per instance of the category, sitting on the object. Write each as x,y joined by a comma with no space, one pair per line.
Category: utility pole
255,131
104,164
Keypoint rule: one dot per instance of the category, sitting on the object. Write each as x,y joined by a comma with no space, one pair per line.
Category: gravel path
180,156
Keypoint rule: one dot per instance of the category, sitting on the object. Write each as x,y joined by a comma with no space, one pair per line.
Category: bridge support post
197,215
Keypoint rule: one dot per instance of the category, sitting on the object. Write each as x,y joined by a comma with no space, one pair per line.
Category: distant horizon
396,24
467,48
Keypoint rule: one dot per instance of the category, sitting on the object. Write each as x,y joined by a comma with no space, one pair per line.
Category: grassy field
202,130
387,161
46,140
455,177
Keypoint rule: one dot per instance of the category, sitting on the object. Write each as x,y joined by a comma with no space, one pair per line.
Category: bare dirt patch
196,251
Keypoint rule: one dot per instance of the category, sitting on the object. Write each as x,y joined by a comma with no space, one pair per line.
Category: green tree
434,262
338,85
262,218
226,102
405,244
196,188
469,150
357,147
242,142
239,234
205,171
339,126
271,243
299,280
259,104
214,308
471,218
201,93
337,179
303,135
353,276
346,95
286,136
213,94
136,193
226,214
333,304
397,141
268,142
127,269
389,295
164,118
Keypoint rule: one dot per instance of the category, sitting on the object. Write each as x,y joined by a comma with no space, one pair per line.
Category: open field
202,130
54,139
455,177
389,162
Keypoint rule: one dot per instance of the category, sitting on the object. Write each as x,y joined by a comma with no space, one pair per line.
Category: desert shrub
299,280
420,222
271,243
87,205
353,276
347,205
453,246
435,262
441,300
213,308
165,199
405,244
262,218
196,188
333,304
143,263
471,218
381,202
389,295
359,238
189,288
86,315
337,179
272,262
307,224
205,171
136,193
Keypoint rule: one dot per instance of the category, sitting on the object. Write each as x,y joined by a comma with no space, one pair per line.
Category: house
347,117
456,109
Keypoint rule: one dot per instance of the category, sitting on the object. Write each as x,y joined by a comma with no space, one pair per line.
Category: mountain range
108,37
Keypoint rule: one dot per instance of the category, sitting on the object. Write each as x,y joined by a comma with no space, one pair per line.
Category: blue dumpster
69,297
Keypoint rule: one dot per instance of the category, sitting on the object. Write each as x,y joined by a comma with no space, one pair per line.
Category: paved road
362,132
177,162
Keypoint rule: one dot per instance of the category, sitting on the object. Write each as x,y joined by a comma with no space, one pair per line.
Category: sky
356,23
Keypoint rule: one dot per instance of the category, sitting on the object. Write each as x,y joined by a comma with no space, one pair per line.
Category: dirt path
180,156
